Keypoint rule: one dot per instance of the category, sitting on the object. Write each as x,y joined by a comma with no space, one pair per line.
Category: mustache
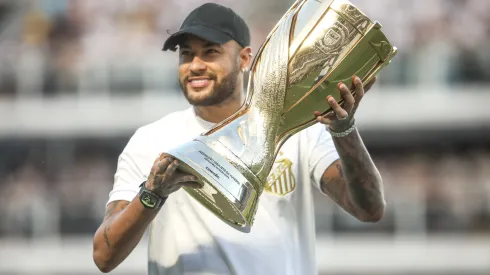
211,76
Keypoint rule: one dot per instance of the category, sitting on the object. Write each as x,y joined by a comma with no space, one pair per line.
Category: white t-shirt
186,238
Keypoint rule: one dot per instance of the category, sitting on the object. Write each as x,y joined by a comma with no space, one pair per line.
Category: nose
197,65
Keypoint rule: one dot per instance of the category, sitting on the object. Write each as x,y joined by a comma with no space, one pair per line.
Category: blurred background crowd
61,48
56,185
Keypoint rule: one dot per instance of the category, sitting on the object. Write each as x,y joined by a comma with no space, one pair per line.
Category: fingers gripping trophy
315,45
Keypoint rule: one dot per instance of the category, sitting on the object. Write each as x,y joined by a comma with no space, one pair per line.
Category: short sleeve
129,173
322,152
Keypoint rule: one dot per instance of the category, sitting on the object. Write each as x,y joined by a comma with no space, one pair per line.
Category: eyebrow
207,45
212,44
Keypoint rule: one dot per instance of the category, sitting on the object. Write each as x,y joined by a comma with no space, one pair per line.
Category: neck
219,112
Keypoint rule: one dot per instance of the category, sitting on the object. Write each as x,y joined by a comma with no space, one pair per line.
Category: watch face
149,200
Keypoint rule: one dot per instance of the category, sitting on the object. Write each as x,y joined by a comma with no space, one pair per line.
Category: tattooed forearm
357,185
335,187
123,227
341,172
106,236
111,211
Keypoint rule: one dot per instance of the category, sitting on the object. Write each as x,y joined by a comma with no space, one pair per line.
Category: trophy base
225,192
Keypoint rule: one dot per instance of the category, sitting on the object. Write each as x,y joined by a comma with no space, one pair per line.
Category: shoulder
172,121
154,132
316,132
309,136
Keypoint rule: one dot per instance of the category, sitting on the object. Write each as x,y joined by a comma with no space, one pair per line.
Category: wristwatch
150,199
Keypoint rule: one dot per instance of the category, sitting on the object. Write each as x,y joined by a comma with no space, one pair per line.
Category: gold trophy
315,45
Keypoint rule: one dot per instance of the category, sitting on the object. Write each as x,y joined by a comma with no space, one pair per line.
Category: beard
221,91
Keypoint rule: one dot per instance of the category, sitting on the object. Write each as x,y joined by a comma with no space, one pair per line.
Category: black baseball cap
214,23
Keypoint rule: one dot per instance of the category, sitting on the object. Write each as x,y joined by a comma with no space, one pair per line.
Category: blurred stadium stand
78,77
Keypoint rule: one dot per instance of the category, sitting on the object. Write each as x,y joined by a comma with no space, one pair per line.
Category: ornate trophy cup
315,45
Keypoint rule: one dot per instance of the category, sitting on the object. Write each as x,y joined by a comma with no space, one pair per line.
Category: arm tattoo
336,188
358,189
106,236
112,209
341,172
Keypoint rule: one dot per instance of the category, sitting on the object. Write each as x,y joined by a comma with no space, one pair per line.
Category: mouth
199,82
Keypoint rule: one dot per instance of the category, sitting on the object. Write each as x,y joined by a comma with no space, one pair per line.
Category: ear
245,58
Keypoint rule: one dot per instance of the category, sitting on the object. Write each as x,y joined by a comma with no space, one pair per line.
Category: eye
212,51
185,53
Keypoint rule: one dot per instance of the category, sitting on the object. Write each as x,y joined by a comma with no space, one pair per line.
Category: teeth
199,81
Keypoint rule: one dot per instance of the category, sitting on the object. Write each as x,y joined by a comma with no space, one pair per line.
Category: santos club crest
281,179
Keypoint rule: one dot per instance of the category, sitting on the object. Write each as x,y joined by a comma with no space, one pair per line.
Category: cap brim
203,32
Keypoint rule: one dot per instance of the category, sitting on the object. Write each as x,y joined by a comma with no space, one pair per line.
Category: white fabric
185,238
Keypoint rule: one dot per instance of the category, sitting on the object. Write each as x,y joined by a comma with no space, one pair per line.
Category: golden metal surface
314,46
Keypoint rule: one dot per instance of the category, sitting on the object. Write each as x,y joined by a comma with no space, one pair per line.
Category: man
185,238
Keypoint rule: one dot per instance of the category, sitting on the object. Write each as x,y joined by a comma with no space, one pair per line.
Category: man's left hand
341,118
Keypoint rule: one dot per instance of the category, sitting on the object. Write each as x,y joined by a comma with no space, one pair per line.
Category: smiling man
185,238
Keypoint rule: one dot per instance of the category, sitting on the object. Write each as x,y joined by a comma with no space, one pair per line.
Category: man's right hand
165,178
